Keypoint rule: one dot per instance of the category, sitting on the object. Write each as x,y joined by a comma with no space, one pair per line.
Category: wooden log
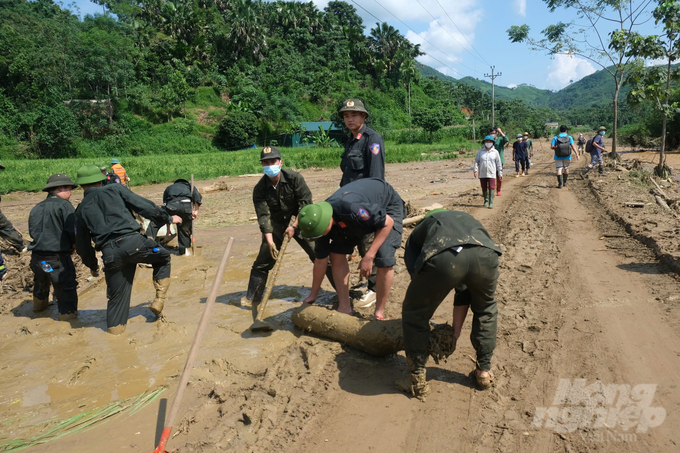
662,203
412,220
375,337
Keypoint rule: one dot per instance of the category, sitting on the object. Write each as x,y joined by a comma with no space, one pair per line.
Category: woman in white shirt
487,167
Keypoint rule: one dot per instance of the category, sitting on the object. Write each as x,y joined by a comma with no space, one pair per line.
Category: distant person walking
563,145
530,150
519,156
118,169
581,143
488,167
499,144
596,153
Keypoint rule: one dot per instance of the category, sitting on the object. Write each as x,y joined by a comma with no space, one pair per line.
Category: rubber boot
416,382
40,304
68,316
559,181
491,200
584,172
600,170
161,295
256,285
117,330
565,177
486,197
499,182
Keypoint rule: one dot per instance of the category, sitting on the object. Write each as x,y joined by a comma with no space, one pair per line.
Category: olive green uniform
450,250
274,208
177,200
51,224
104,216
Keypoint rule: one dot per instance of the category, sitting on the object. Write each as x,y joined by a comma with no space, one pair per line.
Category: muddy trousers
473,272
121,257
264,263
62,278
183,229
10,234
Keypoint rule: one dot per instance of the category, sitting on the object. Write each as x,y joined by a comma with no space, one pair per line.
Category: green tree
431,120
236,130
654,83
588,41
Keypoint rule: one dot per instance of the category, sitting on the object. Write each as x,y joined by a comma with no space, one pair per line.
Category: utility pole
493,94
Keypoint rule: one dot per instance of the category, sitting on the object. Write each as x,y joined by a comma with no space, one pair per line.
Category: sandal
382,318
483,382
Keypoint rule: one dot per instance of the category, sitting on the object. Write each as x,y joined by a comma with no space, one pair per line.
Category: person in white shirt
487,167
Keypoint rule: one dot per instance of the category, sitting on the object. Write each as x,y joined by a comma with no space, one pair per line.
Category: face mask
488,145
494,136
271,170
526,138
602,132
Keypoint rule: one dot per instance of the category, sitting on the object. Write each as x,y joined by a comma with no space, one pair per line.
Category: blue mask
602,132
271,170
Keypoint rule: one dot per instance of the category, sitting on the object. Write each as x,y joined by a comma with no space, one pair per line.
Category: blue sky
479,40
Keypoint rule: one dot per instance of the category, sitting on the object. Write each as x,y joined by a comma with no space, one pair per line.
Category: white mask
494,135
488,145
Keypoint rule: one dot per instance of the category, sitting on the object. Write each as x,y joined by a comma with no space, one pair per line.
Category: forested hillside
188,76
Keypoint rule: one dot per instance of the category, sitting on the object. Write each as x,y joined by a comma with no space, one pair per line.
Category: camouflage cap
353,105
270,152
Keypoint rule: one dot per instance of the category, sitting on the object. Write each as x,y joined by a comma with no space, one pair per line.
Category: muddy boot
256,286
117,330
584,172
564,178
161,295
600,170
416,382
40,304
486,198
490,200
483,383
559,181
68,316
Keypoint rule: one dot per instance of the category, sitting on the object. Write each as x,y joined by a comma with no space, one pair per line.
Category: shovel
193,352
259,325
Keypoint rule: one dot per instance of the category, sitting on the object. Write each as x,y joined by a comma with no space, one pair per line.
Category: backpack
589,146
563,147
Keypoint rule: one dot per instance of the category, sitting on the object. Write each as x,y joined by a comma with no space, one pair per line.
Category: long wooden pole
193,352
193,239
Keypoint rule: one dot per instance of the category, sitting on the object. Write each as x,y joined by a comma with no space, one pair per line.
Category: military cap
314,219
353,105
270,152
58,180
89,174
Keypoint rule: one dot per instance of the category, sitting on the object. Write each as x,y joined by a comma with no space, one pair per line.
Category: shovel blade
261,326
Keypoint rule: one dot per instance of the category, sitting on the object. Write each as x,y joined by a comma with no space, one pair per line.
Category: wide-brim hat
89,174
58,180
601,128
314,219
270,152
353,105
115,161
526,133
519,136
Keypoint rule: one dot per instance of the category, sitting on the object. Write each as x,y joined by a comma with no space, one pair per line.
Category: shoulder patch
342,224
375,148
363,215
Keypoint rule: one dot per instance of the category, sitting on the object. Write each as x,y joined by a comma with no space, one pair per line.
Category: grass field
31,175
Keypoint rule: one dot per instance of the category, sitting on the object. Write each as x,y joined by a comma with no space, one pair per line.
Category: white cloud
566,69
521,7
512,85
446,43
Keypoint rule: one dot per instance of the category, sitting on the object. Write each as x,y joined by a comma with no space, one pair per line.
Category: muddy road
579,299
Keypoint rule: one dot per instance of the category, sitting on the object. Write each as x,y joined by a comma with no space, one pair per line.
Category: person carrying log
449,250
362,207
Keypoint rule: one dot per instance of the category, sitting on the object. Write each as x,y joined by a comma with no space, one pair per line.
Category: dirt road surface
579,299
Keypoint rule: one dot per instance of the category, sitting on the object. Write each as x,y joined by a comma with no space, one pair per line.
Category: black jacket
51,225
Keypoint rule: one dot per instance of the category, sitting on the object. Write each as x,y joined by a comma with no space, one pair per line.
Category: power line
430,55
452,37
461,32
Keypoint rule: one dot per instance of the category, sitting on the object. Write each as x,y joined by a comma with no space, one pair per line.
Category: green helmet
89,174
58,180
601,128
434,211
314,219
115,161
352,105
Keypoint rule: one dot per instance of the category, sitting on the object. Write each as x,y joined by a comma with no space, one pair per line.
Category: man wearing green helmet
449,250
362,207
104,216
51,224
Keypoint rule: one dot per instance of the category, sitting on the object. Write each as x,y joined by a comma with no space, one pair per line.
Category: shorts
562,163
596,159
